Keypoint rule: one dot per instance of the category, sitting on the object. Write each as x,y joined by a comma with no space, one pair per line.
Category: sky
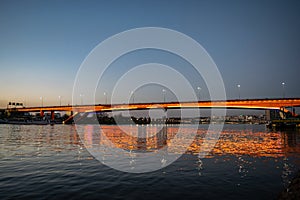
255,44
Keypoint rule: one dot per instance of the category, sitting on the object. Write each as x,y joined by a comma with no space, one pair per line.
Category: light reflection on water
255,143
247,162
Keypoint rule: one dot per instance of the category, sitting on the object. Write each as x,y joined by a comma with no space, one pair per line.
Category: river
52,162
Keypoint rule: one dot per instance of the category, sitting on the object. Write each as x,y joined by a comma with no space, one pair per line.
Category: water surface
248,162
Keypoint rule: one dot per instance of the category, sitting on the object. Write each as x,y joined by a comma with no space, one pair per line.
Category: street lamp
164,95
239,90
59,100
81,99
132,94
105,97
199,88
42,101
283,89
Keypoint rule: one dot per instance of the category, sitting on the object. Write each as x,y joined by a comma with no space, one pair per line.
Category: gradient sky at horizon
42,43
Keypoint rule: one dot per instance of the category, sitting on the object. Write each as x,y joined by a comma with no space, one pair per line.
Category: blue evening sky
42,44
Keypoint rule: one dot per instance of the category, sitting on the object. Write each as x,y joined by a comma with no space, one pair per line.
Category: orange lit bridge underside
231,104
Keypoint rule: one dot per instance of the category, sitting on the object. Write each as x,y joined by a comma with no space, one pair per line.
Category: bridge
265,104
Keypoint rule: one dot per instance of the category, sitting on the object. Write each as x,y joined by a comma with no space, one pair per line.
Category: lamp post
132,94
42,101
24,102
239,90
105,97
81,99
283,89
164,95
59,97
199,89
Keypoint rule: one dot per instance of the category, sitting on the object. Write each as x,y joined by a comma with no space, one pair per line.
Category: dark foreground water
51,162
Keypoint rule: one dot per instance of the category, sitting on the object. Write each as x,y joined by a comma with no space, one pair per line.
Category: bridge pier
42,114
52,115
282,118
276,114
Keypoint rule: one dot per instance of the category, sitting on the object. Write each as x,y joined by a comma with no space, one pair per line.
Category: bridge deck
242,104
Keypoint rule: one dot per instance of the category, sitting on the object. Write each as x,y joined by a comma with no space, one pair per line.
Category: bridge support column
272,114
52,115
42,114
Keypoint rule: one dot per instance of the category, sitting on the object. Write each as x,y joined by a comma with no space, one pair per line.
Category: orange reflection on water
138,137
230,142
247,143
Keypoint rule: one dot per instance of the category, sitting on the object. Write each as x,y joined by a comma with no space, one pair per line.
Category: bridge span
265,104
